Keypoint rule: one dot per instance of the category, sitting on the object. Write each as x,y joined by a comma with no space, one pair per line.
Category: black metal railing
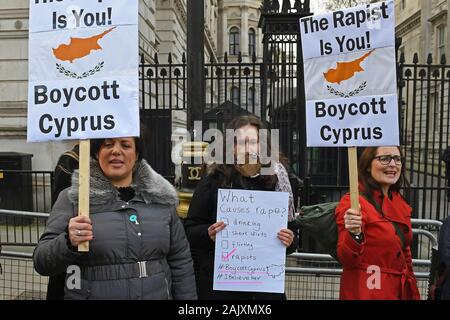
19,235
162,86
26,190
424,91
163,91
232,88
268,90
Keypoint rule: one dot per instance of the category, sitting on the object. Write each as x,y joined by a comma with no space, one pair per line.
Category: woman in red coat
374,242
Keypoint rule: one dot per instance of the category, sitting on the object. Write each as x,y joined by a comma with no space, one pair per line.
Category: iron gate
272,89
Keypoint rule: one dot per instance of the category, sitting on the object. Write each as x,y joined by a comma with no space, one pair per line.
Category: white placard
349,30
350,77
248,254
83,69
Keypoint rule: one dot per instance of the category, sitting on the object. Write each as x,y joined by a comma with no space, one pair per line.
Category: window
441,34
251,42
403,4
251,96
235,95
234,41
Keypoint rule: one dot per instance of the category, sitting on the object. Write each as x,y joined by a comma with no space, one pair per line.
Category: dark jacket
110,270
67,163
444,255
202,213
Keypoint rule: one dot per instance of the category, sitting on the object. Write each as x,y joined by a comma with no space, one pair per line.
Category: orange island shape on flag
346,70
79,47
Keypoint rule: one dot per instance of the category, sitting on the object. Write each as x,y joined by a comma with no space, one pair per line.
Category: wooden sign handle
353,176
83,191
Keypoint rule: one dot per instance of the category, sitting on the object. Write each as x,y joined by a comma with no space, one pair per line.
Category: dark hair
96,144
223,172
245,120
365,176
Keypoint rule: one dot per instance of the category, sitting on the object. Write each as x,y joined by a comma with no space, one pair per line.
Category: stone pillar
447,40
244,31
195,62
225,36
426,30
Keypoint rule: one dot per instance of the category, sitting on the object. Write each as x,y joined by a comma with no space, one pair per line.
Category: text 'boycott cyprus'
341,111
64,97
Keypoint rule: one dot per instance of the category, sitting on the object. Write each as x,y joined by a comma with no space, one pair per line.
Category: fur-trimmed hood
147,183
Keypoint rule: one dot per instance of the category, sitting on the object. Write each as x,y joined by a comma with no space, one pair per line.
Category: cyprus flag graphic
79,47
351,75
345,70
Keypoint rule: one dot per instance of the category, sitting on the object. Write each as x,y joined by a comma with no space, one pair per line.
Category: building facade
422,25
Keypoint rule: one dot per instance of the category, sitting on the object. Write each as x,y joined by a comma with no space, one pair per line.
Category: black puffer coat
203,213
148,260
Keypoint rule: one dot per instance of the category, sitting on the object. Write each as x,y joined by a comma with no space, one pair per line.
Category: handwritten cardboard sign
249,256
83,69
350,77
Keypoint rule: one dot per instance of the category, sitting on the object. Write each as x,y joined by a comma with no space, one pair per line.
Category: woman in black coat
140,250
201,226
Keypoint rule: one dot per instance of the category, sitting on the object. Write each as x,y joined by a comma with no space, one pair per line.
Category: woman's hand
215,228
80,230
353,221
286,236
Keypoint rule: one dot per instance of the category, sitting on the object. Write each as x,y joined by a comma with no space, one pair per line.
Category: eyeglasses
385,160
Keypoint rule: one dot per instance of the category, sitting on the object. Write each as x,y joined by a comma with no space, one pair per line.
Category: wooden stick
83,191
353,176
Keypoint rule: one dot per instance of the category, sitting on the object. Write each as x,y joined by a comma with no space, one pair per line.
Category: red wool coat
381,248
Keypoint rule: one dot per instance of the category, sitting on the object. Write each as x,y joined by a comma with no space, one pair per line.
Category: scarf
284,185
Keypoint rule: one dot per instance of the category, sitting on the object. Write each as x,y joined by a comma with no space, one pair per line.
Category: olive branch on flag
74,75
349,94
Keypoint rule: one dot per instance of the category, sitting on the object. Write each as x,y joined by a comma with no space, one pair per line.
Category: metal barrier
318,277
425,236
19,280
309,276
21,228
312,276
19,234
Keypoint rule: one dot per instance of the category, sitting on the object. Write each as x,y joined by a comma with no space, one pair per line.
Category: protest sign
350,77
248,255
83,76
350,81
